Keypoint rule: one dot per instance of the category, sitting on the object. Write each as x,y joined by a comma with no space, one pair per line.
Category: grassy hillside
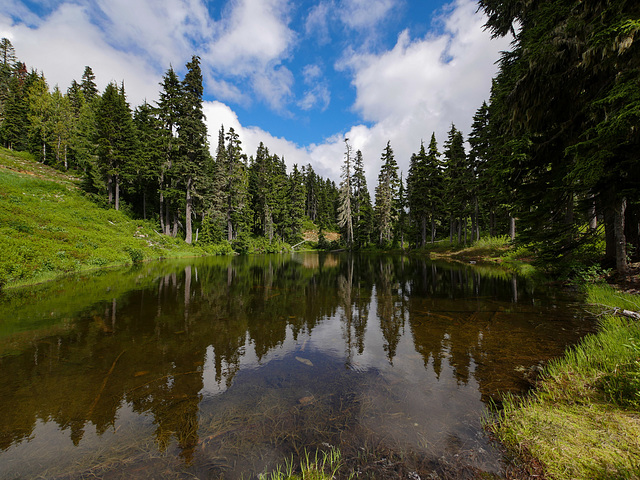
48,227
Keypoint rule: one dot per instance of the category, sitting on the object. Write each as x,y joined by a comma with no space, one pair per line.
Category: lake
226,367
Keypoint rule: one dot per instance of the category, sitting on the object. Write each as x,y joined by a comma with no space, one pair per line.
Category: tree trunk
622,266
593,217
512,228
492,223
451,225
610,235
632,230
174,233
144,204
477,218
187,224
162,206
433,229
117,188
110,188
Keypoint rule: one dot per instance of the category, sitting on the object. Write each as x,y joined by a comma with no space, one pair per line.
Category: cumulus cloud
317,93
423,85
317,22
164,30
253,41
242,53
364,14
418,87
69,29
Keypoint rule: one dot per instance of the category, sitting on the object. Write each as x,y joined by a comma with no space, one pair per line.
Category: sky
298,75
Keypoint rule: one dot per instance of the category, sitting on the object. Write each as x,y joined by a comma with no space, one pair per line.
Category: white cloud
254,39
364,14
317,23
423,85
317,93
69,29
403,94
165,30
418,87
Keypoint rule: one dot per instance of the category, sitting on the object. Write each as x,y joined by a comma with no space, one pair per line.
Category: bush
137,256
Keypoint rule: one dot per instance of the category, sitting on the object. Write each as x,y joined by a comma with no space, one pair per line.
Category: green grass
322,466
583,422
49,228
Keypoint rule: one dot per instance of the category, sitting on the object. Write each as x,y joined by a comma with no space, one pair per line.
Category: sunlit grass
48,227
323,465
584,420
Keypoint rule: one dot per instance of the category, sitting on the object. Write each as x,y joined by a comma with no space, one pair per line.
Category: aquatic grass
322,465
583,421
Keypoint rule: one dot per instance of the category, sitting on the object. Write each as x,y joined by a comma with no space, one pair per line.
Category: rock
305,361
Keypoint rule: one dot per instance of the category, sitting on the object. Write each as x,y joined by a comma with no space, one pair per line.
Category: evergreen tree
345,212
236,185
89,87
401,214
148,160
386,195
83,134
457,183
62,124
192,133
295,213
116,139
168,113
568,93
39,112
362,209
14,130
7,68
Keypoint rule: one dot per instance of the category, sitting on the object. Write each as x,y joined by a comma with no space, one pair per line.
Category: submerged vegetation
583,420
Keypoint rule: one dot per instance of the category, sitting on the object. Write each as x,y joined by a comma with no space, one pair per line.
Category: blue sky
298,75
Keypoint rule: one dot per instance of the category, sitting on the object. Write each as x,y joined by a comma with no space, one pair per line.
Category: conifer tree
295,213
192,133
456,183
362,209
168,112
148,160
116,139
236,185
39,112
62,124
89,87
14,129
345,211
386,194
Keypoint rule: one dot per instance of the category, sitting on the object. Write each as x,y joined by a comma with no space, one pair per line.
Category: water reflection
225,366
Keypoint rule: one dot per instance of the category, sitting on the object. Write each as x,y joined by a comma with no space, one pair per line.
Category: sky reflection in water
227,366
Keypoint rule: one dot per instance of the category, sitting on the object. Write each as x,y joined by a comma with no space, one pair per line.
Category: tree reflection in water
232,364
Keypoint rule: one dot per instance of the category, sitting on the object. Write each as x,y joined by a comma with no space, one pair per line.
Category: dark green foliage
386,209
565,105
116,140
193,147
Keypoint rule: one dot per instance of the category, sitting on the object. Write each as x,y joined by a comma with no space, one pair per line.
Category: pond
225,367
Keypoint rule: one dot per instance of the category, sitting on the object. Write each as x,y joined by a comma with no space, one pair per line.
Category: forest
551,159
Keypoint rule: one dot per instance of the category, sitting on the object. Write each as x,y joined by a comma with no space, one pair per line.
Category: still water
226,367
